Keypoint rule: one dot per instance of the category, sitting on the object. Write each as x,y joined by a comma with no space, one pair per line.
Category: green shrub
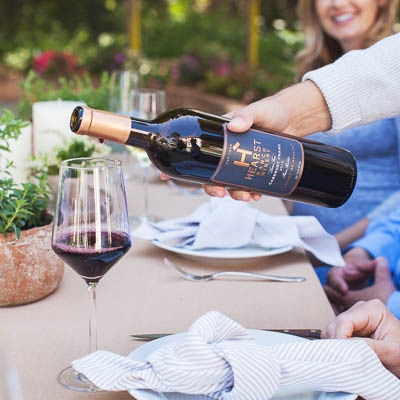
77,88
22,206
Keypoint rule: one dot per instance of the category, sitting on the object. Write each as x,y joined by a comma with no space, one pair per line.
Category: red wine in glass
89,263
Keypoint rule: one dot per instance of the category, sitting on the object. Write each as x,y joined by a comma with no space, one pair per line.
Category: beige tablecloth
141,295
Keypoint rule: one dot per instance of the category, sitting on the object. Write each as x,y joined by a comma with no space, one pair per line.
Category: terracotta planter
29,269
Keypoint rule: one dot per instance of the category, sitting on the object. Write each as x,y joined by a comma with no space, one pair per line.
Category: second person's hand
373,322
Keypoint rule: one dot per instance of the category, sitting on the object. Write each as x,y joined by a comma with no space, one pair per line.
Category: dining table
140,294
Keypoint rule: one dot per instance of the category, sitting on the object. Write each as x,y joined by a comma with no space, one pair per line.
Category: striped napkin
219,358
226,224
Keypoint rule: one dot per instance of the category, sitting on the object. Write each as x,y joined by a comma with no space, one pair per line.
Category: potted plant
29,270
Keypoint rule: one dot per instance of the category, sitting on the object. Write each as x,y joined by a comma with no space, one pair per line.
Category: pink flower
51,63
42,62
223,69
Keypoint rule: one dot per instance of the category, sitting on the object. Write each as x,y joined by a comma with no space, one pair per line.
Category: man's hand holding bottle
282,112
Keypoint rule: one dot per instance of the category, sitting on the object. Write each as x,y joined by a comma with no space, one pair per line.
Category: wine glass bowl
90,232
145,104
122,83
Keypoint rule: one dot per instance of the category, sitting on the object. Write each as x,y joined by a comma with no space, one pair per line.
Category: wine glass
90,233
122,83
145,104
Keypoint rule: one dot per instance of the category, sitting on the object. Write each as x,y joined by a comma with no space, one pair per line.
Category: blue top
382,238
376,147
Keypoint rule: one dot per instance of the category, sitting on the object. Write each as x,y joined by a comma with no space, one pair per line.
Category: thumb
382,270
241,121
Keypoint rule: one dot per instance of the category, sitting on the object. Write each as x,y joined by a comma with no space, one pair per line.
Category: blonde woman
331,29
334,27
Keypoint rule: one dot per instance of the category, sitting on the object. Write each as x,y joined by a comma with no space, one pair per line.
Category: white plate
261,337
216,256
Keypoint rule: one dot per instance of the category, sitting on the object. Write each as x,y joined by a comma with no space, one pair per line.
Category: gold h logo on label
244,153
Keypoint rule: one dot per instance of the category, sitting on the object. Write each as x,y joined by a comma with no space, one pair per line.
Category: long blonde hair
321,49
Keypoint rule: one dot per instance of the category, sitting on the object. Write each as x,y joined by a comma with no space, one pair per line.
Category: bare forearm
306,108
298,110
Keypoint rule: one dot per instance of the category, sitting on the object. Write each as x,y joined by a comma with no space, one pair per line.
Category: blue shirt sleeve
393,304
382,238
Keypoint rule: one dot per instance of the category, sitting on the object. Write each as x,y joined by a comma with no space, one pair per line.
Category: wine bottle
195,146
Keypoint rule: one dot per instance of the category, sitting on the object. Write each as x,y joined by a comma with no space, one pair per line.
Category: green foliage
78,88
173,32
45,24
77,148
93,54
22,206
10,128
166,37
216,72
278,49
210,48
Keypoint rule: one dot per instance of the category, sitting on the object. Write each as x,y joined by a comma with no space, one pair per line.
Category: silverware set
304,333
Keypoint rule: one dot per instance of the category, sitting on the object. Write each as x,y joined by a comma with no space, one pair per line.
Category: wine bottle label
261,161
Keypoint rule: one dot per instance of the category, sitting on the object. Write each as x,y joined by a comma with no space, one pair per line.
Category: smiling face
348,21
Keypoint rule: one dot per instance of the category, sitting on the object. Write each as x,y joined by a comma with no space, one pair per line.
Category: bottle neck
113,127
100,124
141,134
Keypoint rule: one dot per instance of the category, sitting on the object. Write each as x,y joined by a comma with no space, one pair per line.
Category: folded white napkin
219,358
227,223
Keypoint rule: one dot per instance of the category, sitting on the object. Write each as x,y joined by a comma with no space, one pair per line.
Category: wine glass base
73,380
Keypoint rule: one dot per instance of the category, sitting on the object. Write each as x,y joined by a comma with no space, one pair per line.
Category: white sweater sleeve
363,85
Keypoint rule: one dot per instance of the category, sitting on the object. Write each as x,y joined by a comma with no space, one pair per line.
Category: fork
209,277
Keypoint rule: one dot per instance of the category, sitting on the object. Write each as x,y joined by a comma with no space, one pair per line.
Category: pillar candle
51,124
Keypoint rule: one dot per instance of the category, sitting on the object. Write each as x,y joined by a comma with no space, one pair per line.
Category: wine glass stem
92,317
145,182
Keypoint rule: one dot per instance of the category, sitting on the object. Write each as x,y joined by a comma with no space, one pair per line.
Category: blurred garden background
238,49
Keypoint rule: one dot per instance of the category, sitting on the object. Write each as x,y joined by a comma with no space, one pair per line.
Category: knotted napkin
226,223
219,358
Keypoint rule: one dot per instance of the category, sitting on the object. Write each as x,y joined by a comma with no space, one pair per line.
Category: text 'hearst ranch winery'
275,167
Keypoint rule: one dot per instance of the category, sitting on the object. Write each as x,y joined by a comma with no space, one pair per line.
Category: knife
304,333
